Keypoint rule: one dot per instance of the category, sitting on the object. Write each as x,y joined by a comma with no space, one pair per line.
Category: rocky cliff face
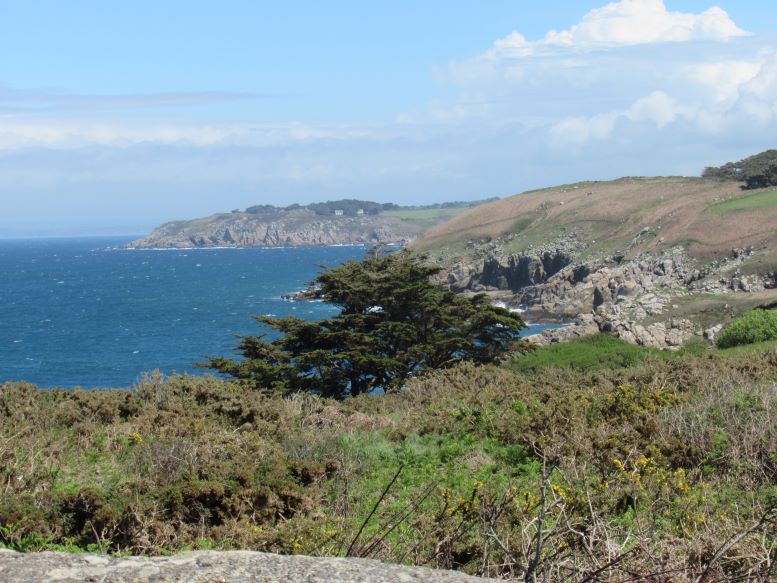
489,268
636,299
639,257
283,229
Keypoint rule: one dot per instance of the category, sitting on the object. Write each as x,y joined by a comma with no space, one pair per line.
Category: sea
88,312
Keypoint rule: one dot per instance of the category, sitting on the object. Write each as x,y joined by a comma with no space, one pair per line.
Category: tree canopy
394,323
759,171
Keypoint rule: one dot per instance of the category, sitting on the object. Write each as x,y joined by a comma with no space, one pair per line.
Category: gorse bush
635,470
754,326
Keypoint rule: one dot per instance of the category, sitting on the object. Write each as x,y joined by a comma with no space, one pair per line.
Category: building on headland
338,212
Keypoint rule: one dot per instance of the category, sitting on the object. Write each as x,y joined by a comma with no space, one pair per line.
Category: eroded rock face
523,270
212,566
491,269
630,299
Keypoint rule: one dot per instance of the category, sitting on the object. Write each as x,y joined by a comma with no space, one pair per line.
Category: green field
759,200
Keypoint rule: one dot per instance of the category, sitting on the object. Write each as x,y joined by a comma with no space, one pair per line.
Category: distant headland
340,222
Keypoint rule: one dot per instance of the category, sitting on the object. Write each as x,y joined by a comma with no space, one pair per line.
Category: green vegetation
394,324
759,200
597,352
629,471
750,328
758,171
426,215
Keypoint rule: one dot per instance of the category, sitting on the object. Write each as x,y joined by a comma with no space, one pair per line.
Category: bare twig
374,509
766,518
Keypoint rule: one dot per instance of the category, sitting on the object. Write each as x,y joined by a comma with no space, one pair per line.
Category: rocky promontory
280,228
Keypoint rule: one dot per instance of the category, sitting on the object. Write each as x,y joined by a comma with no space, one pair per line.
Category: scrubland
617,464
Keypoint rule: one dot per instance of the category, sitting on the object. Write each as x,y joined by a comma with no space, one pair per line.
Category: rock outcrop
211,566
295,228
642,256
629,298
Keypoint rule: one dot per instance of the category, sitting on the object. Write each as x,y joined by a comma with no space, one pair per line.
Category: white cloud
580,130
737,98
629,22
627,71
657,109
17,133
724,78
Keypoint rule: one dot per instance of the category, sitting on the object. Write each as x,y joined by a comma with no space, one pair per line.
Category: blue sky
115,117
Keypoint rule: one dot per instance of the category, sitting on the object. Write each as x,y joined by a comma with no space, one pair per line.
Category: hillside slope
707,217
655,260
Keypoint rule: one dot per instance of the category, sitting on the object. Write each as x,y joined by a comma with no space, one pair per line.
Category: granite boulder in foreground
212,567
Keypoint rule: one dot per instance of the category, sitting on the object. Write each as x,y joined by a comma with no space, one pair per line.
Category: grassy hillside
593,456
709,217
426,218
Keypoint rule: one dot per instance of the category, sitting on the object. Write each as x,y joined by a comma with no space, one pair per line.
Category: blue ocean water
84,312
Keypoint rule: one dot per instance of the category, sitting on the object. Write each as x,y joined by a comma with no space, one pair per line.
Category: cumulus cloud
724,78
736,98
629,68
629,22
657,109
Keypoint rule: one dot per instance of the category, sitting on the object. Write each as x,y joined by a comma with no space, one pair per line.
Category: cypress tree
394,323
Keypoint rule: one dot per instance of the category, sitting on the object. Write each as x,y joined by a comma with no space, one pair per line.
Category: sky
116,117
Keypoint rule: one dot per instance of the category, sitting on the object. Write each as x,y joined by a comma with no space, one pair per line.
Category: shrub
754,326
595,352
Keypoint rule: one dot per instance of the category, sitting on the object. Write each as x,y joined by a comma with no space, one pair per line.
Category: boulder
211,566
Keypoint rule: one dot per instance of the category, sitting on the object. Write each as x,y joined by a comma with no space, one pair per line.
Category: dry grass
616,212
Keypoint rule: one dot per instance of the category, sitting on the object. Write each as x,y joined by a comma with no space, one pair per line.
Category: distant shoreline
67,237
234,247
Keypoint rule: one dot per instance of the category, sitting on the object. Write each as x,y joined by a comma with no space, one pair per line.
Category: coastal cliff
294,228
654,261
